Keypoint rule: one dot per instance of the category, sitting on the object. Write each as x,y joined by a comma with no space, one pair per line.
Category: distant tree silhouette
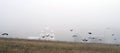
115,39
4,34
113,34
43,36
75,37
71,30
85,40
89,33
91,37
100,39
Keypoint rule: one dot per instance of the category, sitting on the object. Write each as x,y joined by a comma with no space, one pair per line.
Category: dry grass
34,46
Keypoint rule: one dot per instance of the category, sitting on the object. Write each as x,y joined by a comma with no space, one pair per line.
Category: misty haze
65,18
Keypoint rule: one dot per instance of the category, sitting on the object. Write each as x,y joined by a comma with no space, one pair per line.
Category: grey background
24,18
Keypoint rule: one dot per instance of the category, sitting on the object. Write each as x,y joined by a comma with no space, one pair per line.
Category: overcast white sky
30,16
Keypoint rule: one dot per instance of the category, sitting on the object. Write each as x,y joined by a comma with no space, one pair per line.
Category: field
37,46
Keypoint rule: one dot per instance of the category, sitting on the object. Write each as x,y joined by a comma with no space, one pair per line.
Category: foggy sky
23,18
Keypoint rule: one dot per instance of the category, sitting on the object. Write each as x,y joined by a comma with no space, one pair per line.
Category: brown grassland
37,46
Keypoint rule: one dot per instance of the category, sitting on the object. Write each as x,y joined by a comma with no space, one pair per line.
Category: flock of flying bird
90,37
74,36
